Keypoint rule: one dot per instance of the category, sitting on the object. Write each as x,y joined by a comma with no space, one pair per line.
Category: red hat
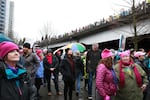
6,47
106,53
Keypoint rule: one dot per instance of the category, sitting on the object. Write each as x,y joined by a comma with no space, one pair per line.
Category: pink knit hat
6,47
38,52
139,53
106,53
124,53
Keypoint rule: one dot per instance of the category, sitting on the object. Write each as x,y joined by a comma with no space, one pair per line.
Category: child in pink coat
106,80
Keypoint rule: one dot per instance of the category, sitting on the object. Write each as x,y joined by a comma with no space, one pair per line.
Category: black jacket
66,70
47,65
92,59
9,89
79,65
143,66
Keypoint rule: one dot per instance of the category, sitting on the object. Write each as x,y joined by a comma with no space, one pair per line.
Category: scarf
72,64
14,70
114,77
135,70
49,59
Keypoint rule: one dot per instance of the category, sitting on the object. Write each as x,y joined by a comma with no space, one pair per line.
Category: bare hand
52,69
143,87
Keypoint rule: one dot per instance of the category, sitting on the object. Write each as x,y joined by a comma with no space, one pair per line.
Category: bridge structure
108,33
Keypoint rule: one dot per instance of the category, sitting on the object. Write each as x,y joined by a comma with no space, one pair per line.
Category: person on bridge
92,59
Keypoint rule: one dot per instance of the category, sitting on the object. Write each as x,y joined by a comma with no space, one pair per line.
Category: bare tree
18,40
21,41
47,30
16,37
46,34
138,27
136,13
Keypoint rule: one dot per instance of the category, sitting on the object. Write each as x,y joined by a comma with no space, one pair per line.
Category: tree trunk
135,40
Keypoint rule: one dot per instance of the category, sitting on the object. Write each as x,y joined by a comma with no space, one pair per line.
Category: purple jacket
105,81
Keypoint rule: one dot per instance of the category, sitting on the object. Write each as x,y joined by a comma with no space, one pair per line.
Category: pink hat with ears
124,53
106,53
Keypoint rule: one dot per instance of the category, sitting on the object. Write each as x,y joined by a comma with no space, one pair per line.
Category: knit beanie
6,47
26,45
124,53
38,52
106,53
49,50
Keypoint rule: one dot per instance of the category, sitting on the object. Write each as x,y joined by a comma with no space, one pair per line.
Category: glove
107,97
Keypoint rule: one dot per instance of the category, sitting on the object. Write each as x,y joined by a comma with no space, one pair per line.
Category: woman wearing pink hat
106,80
132,78
13,83
40,71
139,59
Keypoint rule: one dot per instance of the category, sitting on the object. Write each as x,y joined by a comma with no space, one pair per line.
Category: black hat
49,50
26,45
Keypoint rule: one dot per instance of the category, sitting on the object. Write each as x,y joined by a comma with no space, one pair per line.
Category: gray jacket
92,59
31,62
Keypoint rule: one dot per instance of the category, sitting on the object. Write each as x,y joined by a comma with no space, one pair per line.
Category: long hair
107,62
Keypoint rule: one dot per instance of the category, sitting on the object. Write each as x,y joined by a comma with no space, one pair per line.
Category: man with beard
92,59
31,62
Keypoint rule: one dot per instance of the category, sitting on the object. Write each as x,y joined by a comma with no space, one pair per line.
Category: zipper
18,87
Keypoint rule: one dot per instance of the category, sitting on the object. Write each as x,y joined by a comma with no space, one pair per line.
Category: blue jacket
40,71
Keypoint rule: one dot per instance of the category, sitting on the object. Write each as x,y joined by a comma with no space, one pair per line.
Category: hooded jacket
13,85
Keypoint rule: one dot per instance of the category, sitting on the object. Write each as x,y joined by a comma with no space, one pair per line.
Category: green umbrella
4,38
76,47
73,46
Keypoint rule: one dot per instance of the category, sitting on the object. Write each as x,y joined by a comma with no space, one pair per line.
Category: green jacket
130,91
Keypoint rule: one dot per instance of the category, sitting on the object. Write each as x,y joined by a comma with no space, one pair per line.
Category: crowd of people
122,75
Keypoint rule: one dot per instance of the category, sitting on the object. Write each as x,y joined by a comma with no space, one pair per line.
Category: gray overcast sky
30,16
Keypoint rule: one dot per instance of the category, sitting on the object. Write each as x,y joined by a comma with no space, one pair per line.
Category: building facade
6,17
2,15
10,19
107,33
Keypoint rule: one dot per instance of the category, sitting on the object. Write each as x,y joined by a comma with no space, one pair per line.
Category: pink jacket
104,81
